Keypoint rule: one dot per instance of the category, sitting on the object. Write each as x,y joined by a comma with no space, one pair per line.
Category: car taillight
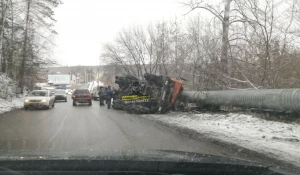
74,96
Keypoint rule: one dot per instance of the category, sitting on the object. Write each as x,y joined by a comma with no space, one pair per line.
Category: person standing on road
109,95
104,95
101,96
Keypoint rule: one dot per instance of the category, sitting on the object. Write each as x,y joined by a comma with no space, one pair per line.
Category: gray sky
82,25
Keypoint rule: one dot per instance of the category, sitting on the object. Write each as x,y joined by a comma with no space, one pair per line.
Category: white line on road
62,124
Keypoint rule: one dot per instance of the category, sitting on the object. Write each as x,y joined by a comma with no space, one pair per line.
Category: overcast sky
82,25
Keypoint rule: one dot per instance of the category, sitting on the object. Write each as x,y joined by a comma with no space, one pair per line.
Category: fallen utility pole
281,100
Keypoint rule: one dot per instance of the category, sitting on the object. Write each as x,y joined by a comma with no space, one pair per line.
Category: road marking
58,131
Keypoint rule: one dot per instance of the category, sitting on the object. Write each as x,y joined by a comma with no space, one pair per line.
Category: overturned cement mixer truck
161,93
165,93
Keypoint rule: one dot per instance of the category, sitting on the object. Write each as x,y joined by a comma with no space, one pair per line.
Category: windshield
59,92
82,92
151,78
38,94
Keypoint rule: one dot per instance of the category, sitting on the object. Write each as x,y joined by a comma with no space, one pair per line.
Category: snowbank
8,99
7,87
274,139
8,105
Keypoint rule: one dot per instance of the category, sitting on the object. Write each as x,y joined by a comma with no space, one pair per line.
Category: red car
82,96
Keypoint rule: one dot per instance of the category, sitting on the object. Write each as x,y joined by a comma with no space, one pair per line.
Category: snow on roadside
8,99
274,139
8,105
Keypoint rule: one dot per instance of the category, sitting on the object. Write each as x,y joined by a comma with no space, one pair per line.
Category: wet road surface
90,130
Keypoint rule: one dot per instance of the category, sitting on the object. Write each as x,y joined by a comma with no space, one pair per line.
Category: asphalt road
91,130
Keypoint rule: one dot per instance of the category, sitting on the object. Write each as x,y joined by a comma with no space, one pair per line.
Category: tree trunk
24,54
11,51
3,64
225,42
3,61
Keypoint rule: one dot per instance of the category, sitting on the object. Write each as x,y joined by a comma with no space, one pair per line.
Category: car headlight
44,100
26,100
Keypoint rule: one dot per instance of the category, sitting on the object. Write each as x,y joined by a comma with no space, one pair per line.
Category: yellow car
39,99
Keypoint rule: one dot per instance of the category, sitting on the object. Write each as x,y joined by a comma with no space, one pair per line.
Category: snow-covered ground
274,139
8,99
10,104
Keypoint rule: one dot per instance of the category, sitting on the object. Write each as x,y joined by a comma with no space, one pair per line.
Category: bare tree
259,41
140,51
257,47
267,37
26,38
224,19
35,17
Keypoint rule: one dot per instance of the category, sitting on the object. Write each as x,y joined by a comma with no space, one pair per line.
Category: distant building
59,80
73,79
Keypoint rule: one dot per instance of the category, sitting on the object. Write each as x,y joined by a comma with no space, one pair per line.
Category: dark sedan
60,95
82,96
